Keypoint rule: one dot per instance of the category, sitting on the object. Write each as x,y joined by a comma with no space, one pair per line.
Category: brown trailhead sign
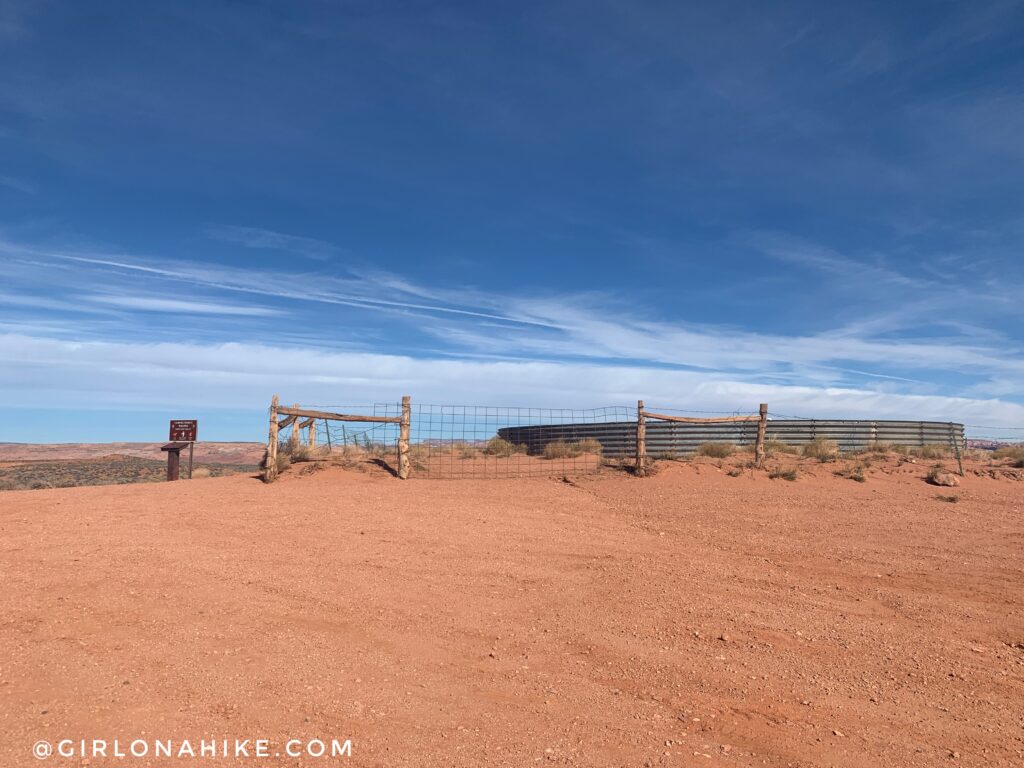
184,430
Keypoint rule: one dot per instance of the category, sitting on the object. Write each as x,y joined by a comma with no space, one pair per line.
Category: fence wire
468,441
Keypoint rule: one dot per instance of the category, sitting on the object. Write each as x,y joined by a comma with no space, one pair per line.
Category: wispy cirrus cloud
266,239
243,376
157,304
470,323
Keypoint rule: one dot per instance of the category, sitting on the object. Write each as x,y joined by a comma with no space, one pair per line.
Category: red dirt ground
686,619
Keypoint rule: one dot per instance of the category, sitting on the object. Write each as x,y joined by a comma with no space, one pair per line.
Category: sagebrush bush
559,449
499,446
822,449
716,450
590,445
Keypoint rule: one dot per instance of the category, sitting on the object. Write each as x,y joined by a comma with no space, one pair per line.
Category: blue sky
553,204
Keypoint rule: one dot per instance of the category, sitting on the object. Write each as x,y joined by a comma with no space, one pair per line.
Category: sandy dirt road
690,618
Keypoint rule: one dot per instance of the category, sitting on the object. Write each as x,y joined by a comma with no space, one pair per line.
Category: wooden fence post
641,440
311,435
762,426
270,468
956,448
293,438
403,438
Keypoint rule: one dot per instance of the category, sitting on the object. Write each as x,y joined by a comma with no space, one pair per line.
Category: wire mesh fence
468,441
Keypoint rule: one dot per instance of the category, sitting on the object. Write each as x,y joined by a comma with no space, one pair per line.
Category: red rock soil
686,619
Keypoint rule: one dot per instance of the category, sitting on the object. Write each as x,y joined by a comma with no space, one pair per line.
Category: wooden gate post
641,440
762,426
403,438
293,438
270,468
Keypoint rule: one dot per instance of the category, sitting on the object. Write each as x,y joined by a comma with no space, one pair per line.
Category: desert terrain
29,466
704,616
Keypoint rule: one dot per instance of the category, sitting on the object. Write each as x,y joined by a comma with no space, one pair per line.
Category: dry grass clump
1013,452
297,453
783,474
559,449
855,473
499,446
880,448
931,452
716,450
774,447
419,452
822,449
563,450
463,450
948,499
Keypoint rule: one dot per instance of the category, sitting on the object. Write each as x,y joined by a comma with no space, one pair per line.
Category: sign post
185,431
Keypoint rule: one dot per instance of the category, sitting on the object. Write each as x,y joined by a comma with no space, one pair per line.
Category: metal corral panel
673,438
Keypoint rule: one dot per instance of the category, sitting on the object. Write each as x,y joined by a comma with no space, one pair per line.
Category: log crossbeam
307,414
691,420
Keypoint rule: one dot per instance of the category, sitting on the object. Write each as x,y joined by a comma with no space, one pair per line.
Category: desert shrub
466,451
948,499
902,450
716,450
419,452
783,474
855,473
201,472
735,472
283,461
773,447
822,449
499,446
298,453
880,448
1013,452
589,445
302,452
667,456
560,449
932,451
